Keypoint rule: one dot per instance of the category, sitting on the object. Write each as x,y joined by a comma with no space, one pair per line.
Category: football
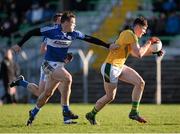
156,44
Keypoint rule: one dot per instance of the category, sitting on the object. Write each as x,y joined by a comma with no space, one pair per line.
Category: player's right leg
42,84
110,86
42,80
110,90
50,87
40,89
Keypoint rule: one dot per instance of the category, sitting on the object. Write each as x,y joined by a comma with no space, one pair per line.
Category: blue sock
35,111
66,108
23,83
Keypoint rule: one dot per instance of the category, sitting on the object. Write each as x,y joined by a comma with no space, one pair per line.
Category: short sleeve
44,40
48,30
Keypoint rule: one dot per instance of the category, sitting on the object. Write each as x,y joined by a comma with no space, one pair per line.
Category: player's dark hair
56,16
66,16
140,21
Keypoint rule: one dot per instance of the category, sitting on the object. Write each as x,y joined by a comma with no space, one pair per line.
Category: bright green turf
112,119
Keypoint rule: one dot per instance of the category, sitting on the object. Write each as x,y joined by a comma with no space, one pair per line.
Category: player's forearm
96,41
144,49
34,32
148,53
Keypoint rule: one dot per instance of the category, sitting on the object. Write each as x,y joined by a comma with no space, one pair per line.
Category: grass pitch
112,119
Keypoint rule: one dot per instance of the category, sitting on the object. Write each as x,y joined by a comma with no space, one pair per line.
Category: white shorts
110,73
42,75
48,68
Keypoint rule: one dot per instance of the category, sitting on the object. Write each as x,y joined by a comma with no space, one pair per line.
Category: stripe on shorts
107,72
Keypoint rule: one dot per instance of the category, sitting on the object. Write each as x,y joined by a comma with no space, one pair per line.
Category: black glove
159,53
69,58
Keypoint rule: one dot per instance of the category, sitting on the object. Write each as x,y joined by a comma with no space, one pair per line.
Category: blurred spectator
173,24
157,6
38,13
35,14
165,18
9,71
48,12
158,24
169,5
14,12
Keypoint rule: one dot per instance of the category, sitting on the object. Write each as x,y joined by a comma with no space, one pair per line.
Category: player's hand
153,40
159,53
16,48
149,42
113,46
69,58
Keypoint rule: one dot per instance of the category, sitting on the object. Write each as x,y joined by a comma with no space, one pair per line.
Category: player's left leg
129,75
20,81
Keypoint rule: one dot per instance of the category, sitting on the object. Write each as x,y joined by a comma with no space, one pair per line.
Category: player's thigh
61,74
41,86
129,75
110,88
60,87
51,85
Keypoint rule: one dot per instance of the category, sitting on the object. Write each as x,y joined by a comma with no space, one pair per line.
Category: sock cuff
37,107
95,110
65,108
135,103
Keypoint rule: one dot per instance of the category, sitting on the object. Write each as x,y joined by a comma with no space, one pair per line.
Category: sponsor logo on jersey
59,43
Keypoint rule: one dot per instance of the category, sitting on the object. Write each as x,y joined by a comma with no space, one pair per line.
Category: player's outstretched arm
96,41
34,32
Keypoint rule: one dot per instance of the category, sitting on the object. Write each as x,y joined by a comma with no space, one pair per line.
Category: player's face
58,21
71,25
140,30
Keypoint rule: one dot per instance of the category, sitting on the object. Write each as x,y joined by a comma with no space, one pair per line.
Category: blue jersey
58,42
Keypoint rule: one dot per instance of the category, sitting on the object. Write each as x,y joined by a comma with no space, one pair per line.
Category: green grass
113,119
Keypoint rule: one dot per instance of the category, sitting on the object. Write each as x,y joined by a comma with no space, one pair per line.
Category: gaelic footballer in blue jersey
59,40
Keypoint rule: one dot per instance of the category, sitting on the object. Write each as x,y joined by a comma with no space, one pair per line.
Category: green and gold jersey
118,57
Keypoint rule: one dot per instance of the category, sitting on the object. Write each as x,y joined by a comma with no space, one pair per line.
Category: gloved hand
69,58
159,53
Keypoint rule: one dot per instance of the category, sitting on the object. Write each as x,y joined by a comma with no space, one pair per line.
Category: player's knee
110,98
48,94
68,79
142,84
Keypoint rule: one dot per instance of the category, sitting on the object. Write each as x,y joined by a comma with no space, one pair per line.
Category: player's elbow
138,55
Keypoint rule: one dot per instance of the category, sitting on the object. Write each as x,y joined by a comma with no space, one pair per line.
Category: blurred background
103,19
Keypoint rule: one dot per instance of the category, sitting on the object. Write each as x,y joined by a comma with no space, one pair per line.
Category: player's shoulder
76,32
127,32
49,27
